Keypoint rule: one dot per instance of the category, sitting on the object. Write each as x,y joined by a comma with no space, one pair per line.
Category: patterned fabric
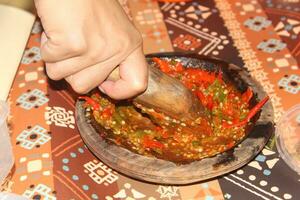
51,160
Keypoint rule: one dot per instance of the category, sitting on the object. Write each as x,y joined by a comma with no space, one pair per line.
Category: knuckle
122,44
76,44
93,57
129,41
96,53
139,86
54,72
77,48
79,88
138,40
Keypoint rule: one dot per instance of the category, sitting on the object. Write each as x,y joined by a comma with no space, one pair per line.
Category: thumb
133,77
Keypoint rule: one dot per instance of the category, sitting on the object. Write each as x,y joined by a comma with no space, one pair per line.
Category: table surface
51,161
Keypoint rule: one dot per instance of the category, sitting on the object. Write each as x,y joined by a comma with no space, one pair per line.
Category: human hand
84,40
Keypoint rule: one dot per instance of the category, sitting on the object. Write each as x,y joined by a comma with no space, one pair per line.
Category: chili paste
147,132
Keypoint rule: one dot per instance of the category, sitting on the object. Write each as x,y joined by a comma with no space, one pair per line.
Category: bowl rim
280,145
249,153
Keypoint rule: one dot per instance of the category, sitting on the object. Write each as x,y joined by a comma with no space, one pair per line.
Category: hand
84,40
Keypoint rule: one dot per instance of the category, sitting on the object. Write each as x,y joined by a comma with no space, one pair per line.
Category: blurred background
23,4
16,20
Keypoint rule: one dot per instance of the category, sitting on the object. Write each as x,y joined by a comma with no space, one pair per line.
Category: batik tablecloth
52,162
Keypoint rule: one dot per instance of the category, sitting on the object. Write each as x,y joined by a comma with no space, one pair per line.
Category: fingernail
101,89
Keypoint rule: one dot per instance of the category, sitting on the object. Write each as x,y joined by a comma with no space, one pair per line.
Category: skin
84,40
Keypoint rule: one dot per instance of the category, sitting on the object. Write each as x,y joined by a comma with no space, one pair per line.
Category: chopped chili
163,65
107,112
251,114
246,96
150,143
91,102
150,133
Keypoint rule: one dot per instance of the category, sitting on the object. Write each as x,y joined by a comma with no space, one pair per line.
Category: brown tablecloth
52,162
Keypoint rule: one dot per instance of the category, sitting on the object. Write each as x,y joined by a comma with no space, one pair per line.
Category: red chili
177,137
199,76
179,67
228,109
206,101
235,120
201,96
162,132
251,114
107,112
246,96
220,75
256,108
163,65
188,84
231,95
91,102
230,144
118,140
210,102
150,143
158,115
206,129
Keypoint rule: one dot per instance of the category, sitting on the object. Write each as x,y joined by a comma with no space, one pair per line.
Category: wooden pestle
167,95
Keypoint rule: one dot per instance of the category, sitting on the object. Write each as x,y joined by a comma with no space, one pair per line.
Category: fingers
58,49
64,68
67,67
92,76
84,81
85,40
133,77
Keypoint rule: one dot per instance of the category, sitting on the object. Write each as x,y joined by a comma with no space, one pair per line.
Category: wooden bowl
155,170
